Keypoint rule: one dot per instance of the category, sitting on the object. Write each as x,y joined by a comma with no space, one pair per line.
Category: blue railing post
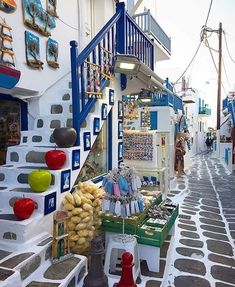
75,89
121,29
121,37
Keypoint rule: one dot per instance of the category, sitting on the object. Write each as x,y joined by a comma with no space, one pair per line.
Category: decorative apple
23,208
65,137
39,180
55,159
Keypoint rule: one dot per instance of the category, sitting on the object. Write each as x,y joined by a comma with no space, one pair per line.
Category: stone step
37,138
69,272
33,156
17,177
51,122
57,108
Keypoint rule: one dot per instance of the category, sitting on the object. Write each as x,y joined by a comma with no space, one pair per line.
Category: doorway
13,119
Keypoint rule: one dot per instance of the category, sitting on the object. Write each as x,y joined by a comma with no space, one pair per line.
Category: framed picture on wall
120,111
120,130
75,159
120,148
96,127
65,180
50,203
111,97
104,111
87,141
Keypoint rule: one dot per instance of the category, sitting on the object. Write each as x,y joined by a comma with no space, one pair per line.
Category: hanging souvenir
51,8
37,18
124,200
9,76
32,51
52,53
8,6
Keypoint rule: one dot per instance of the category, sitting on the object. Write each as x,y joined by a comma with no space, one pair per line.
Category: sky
182,21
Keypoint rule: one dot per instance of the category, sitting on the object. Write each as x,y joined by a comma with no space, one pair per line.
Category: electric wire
225,72
212,57
226,45
74,28
201,39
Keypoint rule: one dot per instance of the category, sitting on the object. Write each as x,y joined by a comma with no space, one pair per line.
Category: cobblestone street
202,252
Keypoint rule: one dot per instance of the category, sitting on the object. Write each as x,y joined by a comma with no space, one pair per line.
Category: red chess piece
127,275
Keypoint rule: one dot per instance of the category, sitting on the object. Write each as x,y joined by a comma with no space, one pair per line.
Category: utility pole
219,79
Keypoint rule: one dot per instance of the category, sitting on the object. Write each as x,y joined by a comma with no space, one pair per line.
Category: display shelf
160,174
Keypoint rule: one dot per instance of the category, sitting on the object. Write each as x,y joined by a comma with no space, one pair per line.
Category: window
96,164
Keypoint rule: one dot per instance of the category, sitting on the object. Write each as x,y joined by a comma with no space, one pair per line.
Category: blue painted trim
76,159
104,111
87,141
121,28
120,130
120,150
110,140
23,110
96,126
153,120
75,90
65,175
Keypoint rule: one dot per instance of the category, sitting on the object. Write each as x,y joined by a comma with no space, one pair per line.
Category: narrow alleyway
201,253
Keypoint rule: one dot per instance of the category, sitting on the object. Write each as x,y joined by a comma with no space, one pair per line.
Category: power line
208,14
226,44
225,71
195,54
212,57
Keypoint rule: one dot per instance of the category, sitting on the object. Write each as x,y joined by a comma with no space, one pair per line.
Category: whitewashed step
37,138
51,122
69,272
18,177
58,108
33,156
15,234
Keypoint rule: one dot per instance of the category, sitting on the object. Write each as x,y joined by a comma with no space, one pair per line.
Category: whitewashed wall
39,80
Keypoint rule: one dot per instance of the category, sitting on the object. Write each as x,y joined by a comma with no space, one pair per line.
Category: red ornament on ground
23,208
55,159
127,275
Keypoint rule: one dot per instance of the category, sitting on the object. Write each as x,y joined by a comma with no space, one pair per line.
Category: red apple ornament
23,208
55,159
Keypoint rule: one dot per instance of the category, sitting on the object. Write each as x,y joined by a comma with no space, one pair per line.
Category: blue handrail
88,65
92,68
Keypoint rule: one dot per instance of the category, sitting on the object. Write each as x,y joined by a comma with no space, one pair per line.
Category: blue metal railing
138,44
92,68
150,26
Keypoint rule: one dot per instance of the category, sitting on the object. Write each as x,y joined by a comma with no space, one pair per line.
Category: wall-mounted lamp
132,66
126,64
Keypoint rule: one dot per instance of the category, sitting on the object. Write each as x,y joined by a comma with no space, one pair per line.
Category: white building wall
39,80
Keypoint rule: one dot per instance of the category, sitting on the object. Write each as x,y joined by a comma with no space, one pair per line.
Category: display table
150,233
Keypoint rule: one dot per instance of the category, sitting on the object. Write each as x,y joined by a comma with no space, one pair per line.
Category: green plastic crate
115,224
172,218
149,235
